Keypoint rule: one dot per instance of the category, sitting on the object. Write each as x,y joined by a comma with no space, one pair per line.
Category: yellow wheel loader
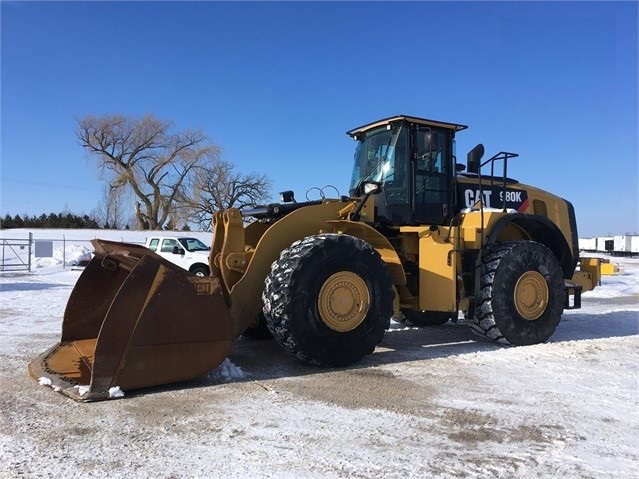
420,238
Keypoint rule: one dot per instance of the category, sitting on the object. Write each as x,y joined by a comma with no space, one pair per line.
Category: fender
542,230
377,241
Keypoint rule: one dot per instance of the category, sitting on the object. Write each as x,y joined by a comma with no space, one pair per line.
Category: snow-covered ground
430,402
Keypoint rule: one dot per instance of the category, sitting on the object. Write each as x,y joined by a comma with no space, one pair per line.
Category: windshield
375,157
193,244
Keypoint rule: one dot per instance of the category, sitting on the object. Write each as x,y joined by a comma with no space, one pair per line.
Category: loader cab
414,160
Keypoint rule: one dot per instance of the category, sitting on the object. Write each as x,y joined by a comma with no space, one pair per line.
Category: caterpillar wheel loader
420,238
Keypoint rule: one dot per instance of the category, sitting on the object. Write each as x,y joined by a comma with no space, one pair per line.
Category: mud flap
135,320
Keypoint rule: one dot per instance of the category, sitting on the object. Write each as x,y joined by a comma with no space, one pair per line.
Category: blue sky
277,85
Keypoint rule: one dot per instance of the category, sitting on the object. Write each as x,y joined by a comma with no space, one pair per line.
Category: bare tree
219,187
143,155
114,210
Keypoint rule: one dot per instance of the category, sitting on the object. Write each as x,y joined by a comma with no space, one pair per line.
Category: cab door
431,165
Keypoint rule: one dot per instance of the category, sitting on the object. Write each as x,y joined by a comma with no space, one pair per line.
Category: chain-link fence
29,253
16,254
24,251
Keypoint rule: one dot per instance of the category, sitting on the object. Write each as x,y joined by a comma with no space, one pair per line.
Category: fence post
29,250
64,252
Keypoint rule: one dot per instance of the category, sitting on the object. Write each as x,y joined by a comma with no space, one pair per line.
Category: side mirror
371,187
177,250
473,158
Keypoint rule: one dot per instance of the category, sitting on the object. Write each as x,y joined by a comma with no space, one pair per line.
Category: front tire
521,295
328,299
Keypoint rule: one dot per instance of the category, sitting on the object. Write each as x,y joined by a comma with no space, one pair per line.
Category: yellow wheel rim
343,301
531,295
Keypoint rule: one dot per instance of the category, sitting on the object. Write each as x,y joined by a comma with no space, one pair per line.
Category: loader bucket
135,320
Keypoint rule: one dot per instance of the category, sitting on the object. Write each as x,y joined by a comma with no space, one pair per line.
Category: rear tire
521,296
328,299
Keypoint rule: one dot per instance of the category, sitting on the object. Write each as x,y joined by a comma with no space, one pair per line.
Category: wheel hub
531,295
343,301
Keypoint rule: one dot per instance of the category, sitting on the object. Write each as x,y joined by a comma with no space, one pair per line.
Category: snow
116,392
229,371
429,402
82,390
44,381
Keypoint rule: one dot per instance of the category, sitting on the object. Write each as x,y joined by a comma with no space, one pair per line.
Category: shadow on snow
31,286
267,360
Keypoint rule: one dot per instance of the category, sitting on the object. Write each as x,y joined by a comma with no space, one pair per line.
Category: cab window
382,156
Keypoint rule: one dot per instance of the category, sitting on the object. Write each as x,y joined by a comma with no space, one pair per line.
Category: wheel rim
343,301
531,295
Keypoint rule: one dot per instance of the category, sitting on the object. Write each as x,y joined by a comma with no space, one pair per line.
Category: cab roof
411,119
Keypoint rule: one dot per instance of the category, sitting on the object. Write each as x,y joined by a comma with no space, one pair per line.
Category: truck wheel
424,318
521,295
328,299
200,271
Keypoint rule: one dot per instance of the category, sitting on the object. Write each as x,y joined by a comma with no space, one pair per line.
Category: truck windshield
376,157
193,244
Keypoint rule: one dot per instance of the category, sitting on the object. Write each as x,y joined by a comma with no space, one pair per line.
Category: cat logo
496,197
207,285
203,288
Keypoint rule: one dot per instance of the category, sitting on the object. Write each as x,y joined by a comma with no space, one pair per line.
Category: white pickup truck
189,253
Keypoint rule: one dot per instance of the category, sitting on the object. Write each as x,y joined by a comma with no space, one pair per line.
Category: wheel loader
420,238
